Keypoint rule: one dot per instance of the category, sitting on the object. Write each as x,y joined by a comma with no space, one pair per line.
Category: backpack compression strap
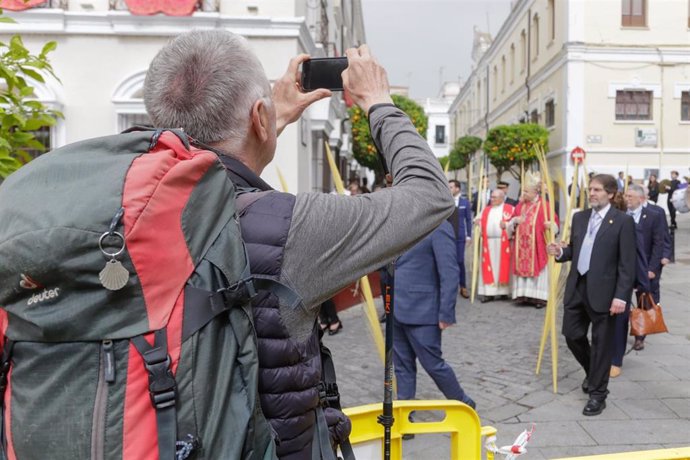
162,388
201,306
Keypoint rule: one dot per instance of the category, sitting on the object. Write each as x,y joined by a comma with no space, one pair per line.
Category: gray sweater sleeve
334,240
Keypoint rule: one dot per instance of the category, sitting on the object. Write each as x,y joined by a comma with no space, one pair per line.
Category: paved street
493,349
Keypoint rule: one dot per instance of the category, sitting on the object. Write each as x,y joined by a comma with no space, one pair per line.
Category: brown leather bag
647,318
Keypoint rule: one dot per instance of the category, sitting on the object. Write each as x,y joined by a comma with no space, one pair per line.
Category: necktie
588,243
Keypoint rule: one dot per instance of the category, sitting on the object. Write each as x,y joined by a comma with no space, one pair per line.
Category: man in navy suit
426,288
464,231
599,284
651,225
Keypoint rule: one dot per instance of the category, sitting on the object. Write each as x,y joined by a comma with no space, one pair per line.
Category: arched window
128,99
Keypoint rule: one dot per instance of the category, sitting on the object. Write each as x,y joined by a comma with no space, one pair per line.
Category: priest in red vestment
528,224
494,273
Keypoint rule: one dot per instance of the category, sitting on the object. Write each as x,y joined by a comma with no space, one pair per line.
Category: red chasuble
487,269
530,244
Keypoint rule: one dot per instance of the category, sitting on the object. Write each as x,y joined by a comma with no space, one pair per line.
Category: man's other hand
443,326
289,99
651,275
553,249
617,307
365,80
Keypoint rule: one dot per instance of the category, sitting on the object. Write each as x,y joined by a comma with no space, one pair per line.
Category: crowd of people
514,250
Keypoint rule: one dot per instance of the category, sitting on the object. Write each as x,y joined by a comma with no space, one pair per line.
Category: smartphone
323,73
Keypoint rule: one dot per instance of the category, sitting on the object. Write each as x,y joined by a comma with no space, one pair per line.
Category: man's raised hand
365,80
289,99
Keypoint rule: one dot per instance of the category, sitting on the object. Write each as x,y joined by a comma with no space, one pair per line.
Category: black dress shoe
585,386
334,330
486,299
594,407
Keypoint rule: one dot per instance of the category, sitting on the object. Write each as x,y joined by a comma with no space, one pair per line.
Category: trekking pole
386,418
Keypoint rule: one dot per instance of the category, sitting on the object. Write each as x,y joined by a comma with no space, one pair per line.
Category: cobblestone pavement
493,350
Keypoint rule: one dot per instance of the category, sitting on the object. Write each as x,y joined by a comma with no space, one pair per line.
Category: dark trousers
671,211
461,261
595,358
423,343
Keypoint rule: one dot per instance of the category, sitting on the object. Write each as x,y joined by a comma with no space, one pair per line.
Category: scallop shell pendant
114,276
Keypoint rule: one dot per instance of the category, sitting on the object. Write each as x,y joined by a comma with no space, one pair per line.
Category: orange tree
20,113
363,147
462,151
508,146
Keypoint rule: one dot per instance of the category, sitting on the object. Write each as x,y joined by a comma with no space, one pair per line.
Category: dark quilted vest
289,372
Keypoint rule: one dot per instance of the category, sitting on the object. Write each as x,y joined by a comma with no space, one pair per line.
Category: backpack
125,306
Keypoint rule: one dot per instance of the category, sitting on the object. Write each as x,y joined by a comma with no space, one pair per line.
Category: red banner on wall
19,5
168,7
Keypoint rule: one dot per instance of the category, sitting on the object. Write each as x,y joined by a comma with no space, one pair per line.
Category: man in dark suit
426,288
502,185
463,226
650,220
599,284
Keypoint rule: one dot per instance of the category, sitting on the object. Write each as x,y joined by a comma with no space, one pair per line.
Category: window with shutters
685,106
549,114
42,135
633,105
634,13
534,117
440,137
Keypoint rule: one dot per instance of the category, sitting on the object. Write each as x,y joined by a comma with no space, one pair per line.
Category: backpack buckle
329,395
162,386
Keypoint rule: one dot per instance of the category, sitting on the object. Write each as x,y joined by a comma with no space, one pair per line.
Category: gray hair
637,189
206,83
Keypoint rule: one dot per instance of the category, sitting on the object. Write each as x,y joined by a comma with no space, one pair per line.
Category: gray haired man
211,84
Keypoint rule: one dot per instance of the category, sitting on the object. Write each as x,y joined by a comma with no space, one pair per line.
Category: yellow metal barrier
460,420
682,453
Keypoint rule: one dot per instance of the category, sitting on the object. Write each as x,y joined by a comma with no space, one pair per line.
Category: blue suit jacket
663,226
641,275
650,227
426,280
464,220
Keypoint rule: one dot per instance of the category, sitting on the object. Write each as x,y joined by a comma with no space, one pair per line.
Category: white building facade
436,109
610,76
104,50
